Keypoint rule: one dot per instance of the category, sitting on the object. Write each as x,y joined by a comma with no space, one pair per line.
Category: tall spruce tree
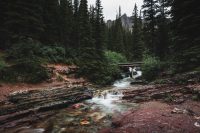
118,44
149,11
162,46
51,21
3,32
84,26
88,58
137,44
66,22
99,27
110,36
75,27
186,25
24,19
92,16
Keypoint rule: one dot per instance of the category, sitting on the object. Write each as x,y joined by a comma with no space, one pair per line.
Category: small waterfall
110,99
125,82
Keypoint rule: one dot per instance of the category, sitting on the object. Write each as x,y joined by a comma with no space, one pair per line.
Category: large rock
26,103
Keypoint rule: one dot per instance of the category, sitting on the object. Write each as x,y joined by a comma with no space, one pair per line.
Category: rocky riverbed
24,107
170,106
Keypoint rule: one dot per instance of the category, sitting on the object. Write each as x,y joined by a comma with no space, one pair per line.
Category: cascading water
125,82
110,100
88,116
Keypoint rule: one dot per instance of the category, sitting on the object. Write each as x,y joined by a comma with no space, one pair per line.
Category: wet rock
97,116
179,111
27,103
167,93
116,123
183,111
78,105
186,78
197,124
84,122
197,117
179,101
138,82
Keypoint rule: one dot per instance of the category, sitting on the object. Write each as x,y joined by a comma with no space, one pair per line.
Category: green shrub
151,67
26,65
25,50
53,53
30,72
99,70
114,58
2,64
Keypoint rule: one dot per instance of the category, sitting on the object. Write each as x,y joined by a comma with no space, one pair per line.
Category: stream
88,116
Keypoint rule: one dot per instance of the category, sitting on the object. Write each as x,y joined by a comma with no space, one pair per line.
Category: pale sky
111,7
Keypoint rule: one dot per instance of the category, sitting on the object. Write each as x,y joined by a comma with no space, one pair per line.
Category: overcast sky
110,7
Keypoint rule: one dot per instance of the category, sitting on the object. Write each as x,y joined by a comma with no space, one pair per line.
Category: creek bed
89,116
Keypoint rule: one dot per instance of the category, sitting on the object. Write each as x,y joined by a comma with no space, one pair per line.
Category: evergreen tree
186,25
110,37
137,44
3,32
51,21
75,27
127,40
162,47
66,20
89,59
24,19
84,24
149,10
99,28
76,7
118,44
92,16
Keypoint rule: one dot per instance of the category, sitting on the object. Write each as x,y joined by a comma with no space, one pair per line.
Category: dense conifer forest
165,36
64,68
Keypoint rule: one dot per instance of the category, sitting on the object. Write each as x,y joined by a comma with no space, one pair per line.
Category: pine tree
66,20
75,27
118,44
51,19
24,19
3,33
76,7
88,57
149,10
110,37
162,46
186,25
84,24
92,16
99,27
137,44
127,40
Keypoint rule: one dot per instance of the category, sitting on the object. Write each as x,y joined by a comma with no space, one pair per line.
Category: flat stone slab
34,102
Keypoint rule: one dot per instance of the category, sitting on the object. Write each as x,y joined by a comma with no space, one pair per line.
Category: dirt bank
62,75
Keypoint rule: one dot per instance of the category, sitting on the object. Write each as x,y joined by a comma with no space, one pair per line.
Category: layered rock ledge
27,106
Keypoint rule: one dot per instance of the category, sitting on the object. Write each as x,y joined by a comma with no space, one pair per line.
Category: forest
165,35
64,68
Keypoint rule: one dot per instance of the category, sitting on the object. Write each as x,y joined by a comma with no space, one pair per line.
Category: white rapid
90,115
110,99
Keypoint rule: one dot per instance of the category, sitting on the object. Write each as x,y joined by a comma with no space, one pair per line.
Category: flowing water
91,115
